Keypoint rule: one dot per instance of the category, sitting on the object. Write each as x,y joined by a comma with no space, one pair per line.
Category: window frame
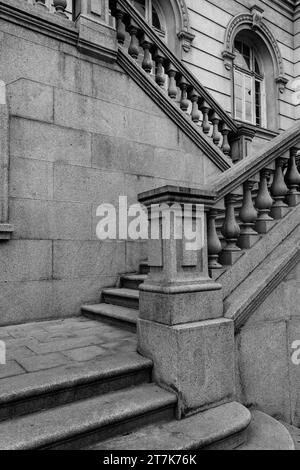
254,77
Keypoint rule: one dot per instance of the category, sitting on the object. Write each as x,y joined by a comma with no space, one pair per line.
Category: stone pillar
181,325
97,34
241,142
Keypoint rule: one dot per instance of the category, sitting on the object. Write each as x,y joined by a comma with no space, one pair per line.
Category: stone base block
195,360
228,258
247,241
279,212
293,199
175,309
264,226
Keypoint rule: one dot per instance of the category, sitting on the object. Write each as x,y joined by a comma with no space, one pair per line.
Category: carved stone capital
186,38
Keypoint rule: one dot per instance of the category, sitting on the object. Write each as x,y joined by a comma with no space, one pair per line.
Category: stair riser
130,284
144,269
230,443
110,321
74,393
85,440
121,301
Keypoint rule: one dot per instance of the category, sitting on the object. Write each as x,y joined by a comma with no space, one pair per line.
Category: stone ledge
6,231
220,428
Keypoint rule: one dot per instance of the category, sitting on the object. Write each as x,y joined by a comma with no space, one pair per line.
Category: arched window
249,84
153,14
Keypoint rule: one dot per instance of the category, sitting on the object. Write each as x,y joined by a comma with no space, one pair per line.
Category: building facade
102,99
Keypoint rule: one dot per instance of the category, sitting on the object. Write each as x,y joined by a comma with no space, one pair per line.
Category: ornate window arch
170,18
253,27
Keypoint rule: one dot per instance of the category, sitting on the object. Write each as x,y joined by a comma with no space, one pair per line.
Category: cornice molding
39,20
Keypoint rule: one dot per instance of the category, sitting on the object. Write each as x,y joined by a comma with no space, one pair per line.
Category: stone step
132,281
114,314
266,433
32,392
121,297
83,423
223,427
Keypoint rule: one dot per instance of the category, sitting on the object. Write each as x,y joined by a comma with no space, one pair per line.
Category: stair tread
22,387
52,426
135,277
195,432
266,433
122,292
116,312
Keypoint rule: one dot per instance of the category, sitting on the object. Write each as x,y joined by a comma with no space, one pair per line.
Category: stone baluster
292,179
279,191
216,134
121,30
172,85
194,97
263,204
60,7
213,243
147,63
133,49
160,77
225,144
205,109
248,216
172,88
184,102
231,233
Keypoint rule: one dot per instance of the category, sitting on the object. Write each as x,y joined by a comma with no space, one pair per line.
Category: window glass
140,5
248,84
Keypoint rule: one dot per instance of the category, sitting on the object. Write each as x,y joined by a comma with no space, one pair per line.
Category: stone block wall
266,375
81,133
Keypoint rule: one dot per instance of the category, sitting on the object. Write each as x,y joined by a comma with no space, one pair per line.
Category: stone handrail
242,204
172,76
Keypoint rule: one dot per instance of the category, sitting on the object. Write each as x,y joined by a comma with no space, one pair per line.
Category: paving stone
46,361
85,354
63,345
10,369
18,353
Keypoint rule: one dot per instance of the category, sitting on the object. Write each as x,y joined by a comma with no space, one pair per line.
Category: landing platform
45,345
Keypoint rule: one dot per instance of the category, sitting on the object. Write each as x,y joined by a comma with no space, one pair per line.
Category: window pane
238,94
258,102
140,6
248,99
155,19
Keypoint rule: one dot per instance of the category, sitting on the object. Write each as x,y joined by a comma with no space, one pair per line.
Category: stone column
181,325
97,34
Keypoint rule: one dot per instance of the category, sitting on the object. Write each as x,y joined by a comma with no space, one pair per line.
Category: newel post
97,33
181,325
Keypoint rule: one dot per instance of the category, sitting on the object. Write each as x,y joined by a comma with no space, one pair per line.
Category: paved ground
45,345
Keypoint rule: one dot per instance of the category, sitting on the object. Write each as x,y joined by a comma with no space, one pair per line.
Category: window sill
6,231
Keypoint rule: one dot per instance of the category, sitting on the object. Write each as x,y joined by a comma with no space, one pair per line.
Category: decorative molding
186,40
255,22
185,34
173,111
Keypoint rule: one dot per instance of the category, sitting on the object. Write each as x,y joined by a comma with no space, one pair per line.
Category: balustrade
173,82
